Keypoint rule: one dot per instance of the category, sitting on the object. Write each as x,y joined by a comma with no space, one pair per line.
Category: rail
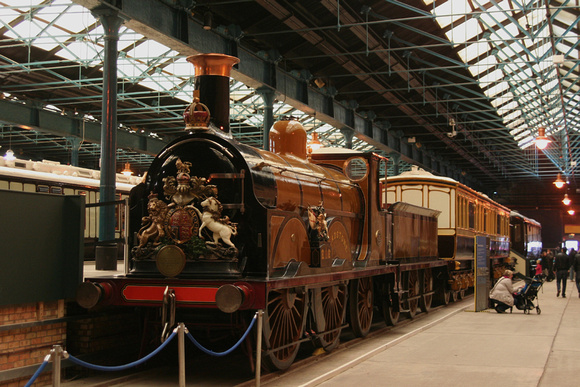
57,353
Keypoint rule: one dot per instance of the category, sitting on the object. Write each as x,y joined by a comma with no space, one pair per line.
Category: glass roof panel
450,11
8,13
473,51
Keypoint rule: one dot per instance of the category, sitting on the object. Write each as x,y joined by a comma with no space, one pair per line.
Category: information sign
482,270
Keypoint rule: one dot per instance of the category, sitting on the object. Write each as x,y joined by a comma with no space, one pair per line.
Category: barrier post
56,354
181,353
259,347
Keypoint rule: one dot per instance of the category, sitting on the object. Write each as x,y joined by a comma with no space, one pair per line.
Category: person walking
562,265
576,265
571,257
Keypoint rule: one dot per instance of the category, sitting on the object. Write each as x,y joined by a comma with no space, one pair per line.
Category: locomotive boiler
226,229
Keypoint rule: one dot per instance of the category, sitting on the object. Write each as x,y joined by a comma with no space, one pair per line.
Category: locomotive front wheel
426,299
361,305
390,311
284,320
330,307
413,292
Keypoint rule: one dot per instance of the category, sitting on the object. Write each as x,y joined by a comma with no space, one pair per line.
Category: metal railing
57,354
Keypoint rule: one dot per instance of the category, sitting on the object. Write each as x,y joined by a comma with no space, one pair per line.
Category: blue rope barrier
209,352
38,371
126,366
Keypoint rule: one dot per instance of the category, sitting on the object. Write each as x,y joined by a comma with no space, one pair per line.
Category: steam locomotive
225,229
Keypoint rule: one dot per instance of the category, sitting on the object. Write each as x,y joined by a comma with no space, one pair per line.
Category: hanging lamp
559,183
127,170
566,200
541,140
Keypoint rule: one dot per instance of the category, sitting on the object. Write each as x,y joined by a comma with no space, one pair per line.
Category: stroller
524,298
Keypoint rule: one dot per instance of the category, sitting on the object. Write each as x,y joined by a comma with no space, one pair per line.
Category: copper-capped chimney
212,79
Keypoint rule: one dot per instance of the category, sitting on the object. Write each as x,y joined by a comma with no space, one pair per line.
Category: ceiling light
314,144
559,183
127,171
542,141
571,212
207,21
9,156
566,200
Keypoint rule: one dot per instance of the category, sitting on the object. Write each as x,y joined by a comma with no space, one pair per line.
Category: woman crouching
502,293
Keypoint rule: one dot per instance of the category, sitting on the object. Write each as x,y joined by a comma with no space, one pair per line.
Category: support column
395,158
348,135
111,22
75,144
267,95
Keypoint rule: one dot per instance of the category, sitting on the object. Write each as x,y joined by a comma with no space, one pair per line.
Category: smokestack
212,79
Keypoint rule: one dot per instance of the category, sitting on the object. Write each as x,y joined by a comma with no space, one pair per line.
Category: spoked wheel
413,291
329,308
361,305
390,309
427,287
283,327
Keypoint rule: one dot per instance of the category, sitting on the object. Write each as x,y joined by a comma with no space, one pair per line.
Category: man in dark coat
562,265
571,256
576,264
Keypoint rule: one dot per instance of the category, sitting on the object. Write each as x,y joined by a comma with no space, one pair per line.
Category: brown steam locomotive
226,229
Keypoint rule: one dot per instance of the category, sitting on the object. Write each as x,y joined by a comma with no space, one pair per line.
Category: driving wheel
361,305
329,310
283,327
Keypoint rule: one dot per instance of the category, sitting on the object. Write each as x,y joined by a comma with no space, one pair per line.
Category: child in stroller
525,296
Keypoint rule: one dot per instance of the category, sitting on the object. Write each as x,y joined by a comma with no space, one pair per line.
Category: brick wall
23,344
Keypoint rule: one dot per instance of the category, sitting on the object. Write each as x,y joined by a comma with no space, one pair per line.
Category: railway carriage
465,213
228,229
51,177
526,242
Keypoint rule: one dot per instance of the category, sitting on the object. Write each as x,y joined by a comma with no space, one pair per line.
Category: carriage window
356,168
485,228
471,215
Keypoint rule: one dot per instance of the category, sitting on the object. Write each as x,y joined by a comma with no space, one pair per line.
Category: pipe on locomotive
212,81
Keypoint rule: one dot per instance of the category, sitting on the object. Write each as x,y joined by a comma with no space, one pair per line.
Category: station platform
456,346
451,345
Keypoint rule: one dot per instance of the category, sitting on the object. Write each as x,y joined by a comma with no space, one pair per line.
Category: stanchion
259,347
181,353
56,354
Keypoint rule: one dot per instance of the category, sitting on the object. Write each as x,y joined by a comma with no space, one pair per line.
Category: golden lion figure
221,228
153,230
